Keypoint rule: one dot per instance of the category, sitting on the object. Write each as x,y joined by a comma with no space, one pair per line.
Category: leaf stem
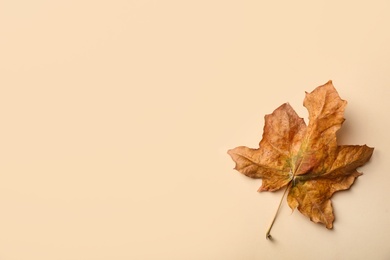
268,234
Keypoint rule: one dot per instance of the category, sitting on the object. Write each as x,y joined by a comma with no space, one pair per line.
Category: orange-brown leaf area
306,159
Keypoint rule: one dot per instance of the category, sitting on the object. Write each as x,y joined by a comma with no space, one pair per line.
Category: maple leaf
306,160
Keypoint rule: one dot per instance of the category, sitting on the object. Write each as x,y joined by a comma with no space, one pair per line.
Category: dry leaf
305,159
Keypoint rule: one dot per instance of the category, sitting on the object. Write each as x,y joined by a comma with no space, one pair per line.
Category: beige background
116,117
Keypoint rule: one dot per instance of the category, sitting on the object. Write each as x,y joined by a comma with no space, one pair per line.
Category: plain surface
116,117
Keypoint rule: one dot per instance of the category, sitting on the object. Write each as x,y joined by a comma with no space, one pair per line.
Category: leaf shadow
344,132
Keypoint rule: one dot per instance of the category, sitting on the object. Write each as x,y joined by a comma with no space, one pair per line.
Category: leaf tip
231,153
329,225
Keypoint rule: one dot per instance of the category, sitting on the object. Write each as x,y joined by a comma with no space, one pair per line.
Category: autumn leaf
305,159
